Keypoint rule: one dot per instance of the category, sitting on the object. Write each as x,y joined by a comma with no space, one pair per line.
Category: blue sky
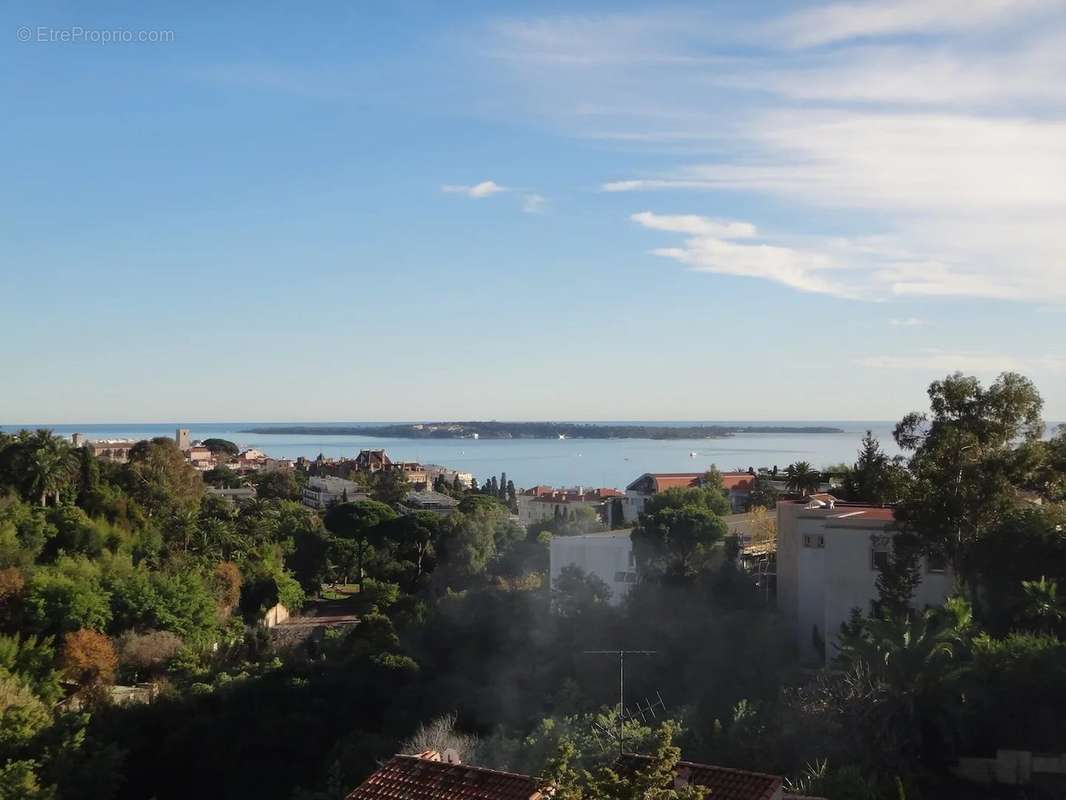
426,210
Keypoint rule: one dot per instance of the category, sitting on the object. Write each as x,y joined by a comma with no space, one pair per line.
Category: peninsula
535,430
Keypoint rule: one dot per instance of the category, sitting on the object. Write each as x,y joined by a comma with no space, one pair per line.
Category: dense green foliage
131,573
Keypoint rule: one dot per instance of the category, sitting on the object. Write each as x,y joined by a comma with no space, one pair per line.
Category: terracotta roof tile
415,778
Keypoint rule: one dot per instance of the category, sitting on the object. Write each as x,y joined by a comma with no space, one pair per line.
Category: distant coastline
537,430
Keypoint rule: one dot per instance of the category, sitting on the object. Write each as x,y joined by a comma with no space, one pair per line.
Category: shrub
88,658
149,652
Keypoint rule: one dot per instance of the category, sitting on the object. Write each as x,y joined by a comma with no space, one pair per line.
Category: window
814,540
632,559
878,560
625,577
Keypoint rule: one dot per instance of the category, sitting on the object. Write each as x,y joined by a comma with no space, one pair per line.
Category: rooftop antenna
622,688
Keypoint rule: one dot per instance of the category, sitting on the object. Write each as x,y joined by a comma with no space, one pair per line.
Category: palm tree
50,464
1043,605
802,478
919,661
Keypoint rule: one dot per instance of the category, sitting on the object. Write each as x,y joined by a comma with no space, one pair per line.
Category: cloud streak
938,126
477,191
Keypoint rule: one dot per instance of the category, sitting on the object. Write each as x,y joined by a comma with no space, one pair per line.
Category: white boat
692,454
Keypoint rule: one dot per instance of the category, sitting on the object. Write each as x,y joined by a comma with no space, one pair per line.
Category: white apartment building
827,564
322,492
548,503
608,556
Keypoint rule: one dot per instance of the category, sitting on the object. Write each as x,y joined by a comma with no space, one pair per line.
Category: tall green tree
875,478
50,464
161,479
673,542
969,454
352,523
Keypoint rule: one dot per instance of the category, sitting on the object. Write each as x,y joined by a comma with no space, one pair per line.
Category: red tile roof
419,778
661,481
670,480
738,481
723,783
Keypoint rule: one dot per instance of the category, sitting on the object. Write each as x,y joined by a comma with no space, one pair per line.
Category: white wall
819,586
609,556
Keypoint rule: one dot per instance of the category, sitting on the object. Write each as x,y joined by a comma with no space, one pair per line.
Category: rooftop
424,778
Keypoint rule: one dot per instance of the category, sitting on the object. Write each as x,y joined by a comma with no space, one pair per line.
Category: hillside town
802,582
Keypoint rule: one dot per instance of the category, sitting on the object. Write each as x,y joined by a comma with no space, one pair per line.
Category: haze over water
572,462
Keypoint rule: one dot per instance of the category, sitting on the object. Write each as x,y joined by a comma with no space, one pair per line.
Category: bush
147,653
88,658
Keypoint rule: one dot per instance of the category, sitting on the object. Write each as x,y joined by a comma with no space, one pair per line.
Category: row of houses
198,455
824,562
616,508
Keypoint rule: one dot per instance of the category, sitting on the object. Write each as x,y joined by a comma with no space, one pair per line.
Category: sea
529,462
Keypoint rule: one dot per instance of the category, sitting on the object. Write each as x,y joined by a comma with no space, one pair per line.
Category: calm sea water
571,462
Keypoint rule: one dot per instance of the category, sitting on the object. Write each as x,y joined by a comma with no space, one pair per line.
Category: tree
969,454
802,479
146,654
88,658
278,485
161,479
66,597
875,478
223,477
898,577
225,584
763,494
411,543
50,464
221,447
635,778
672,541
389,487
575,591
1043,606
919,662
353,522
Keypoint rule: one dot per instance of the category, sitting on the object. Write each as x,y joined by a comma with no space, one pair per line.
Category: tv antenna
648,707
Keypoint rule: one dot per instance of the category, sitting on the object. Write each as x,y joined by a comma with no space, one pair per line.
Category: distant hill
536,430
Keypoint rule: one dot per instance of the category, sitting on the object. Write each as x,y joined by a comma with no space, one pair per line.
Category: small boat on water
692,454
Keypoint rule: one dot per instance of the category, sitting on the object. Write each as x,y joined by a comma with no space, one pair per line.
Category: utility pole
621,686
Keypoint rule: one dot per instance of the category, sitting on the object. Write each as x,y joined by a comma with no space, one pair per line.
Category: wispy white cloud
477,191
837,22
906,322
533,203
941,125
710,249
695,225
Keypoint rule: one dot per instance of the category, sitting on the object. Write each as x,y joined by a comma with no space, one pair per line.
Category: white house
827,564
547,503
322,492
607,555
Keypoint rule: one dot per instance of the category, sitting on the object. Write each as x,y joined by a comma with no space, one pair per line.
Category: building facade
321,492
547,503
608,556
828,555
